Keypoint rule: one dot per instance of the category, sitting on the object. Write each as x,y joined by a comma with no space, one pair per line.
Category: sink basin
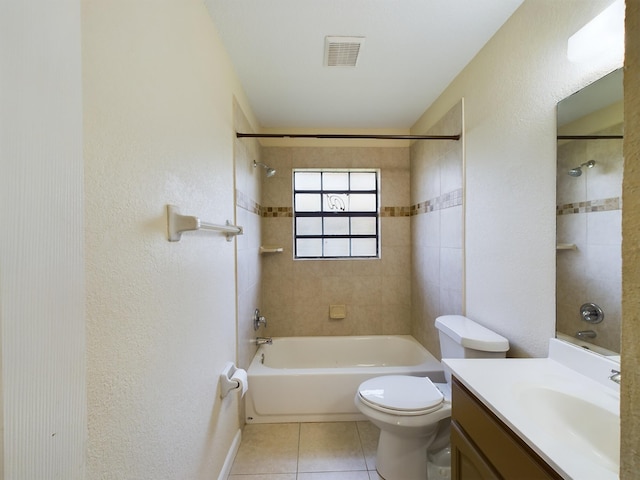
564,407
594,428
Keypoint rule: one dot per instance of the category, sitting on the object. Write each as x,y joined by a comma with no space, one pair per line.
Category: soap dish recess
271,249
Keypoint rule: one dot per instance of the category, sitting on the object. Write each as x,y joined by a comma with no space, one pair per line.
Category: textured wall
296,294
158,126
510,91
630,388
42,316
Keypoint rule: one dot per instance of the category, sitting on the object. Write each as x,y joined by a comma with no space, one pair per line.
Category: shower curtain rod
590,137
347,136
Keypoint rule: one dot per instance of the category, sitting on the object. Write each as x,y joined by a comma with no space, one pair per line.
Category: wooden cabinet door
501,449
467,463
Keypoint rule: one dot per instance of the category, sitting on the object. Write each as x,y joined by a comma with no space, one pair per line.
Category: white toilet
413,413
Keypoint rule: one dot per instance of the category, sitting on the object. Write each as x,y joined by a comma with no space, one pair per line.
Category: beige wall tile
358,284
437,236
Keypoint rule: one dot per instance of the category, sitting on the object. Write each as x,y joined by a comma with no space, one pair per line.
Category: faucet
616,376
264,341
258,320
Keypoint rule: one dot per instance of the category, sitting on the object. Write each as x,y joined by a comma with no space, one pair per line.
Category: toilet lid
402,394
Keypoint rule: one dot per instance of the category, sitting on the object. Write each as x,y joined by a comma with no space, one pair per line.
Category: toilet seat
401,395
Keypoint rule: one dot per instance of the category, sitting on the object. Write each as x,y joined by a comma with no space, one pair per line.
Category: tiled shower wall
437,229
296,294
589,216
249,269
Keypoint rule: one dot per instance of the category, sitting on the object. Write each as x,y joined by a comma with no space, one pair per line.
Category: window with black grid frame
336,213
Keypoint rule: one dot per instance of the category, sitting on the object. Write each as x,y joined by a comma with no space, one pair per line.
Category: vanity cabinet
484,448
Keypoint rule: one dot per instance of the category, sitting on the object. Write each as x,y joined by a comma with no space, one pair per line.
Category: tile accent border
447,200
276,212
245,202
395,211
601,205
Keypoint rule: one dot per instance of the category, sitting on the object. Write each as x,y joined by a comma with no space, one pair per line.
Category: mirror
589,216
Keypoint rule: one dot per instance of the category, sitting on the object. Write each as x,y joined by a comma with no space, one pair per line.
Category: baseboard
231,455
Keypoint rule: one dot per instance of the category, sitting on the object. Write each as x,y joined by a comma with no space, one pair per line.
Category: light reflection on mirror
588,214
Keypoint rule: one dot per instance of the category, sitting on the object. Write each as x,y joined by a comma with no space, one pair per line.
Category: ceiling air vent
342,51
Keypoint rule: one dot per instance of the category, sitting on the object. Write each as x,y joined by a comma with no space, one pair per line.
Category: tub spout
264,341
616,376
586,334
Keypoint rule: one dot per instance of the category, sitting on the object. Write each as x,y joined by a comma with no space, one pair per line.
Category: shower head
270,171
577,171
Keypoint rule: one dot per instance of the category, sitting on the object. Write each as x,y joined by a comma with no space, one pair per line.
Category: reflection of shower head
270,171
577,171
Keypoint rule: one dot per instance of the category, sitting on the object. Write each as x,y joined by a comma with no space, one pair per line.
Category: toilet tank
461,337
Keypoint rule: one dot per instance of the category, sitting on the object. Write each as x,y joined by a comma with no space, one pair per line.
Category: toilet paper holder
227,383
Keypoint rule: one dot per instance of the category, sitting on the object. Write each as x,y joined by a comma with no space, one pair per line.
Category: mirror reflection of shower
577,171
270,171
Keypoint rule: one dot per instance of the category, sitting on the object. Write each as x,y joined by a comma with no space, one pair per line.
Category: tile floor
307,451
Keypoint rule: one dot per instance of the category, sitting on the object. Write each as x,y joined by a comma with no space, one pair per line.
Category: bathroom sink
565,407
593,428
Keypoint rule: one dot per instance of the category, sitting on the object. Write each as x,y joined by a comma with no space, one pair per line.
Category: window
335,213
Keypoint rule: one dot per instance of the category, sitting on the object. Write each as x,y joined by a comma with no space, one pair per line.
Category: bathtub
314,379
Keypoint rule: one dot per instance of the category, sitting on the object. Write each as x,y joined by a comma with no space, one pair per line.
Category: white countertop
535,396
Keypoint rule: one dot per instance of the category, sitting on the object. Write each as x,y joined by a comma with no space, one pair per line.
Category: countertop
560,427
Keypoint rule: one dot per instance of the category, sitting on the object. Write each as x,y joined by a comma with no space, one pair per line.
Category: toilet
414,414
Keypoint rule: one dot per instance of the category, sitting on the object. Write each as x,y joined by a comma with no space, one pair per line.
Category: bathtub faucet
258,320
264,341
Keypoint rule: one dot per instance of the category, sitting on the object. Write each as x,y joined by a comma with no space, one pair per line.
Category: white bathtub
314,379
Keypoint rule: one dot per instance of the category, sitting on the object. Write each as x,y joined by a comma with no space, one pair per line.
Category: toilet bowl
409,422
414,414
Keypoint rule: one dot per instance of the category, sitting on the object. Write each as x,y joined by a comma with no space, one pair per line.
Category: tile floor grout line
298,453
364,455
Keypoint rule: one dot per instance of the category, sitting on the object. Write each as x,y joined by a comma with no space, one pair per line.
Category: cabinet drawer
506,452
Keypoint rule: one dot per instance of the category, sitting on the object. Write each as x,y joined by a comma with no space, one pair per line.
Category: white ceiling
412,51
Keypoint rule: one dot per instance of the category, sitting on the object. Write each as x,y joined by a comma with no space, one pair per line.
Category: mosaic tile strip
447,200
276,212
395,211
601,205
245,202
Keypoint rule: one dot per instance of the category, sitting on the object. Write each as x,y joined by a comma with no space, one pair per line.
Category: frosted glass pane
363,181
363,226
363,247
336,226
307,181
307,202
309,226
336,247
362,202
336,203
309,247
335,181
